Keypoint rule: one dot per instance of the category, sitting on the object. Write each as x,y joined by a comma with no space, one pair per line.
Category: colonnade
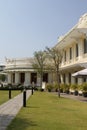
15,78
73,79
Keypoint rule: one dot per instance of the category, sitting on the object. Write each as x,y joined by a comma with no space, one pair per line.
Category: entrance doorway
34,78
45,77
13,78
22,77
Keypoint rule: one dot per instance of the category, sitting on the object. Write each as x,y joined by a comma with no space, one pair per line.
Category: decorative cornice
83,18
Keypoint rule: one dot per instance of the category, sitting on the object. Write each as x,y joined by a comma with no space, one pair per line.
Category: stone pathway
10,109
80,98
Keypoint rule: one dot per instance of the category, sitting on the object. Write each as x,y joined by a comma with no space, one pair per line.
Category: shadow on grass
12,123
32,107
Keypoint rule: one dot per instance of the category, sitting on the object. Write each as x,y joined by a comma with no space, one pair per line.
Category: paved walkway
10,109
80,98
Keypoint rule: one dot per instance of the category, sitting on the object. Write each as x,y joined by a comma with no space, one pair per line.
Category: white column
80,48
61,77
74,52
50,77
63,60
67,55
66,78
9,78
80,80
72,80
38,79
27,78
16,78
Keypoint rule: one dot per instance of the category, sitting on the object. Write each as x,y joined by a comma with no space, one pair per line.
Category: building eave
77,66
78,31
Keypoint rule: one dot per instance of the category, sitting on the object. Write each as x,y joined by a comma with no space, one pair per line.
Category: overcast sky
27,26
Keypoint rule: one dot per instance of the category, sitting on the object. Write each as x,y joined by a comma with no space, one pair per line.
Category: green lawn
45,111
4,95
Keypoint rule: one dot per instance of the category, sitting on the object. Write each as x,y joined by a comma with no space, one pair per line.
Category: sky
27,26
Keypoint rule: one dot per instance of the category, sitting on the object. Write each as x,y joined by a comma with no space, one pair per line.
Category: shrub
49,87
74,86
65,88
55,86
80,87
62,87
74,89
84,87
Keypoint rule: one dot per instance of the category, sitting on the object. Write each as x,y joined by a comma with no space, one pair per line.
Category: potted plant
74,89
80,90
66,88
49,87
61,88
84,89
55,87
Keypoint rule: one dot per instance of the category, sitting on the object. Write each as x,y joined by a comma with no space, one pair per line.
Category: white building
74,46
20,71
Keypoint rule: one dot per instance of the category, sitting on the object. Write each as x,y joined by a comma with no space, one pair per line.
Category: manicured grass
4,95
45,111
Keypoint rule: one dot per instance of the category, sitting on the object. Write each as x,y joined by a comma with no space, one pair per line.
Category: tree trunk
59,91
58,81
41,79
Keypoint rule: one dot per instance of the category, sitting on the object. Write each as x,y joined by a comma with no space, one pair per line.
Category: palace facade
20,71
74,46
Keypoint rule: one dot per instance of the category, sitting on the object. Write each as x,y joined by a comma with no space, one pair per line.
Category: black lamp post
24,98
9,92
